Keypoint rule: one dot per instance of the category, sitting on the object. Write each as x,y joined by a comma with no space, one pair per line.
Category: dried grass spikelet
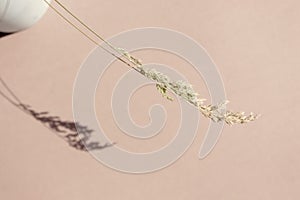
185,90
181,88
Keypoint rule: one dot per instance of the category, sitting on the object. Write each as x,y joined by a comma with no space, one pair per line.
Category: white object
16,15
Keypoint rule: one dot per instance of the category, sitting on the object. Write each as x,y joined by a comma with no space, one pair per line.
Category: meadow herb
181,88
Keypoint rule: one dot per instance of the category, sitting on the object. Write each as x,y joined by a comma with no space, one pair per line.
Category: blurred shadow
73,133
4,34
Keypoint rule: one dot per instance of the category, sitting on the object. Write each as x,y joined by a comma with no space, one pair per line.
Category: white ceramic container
16,15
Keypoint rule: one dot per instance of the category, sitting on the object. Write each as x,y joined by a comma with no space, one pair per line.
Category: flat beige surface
256,46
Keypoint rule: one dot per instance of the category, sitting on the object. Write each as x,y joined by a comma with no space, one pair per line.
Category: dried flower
185,90
181,88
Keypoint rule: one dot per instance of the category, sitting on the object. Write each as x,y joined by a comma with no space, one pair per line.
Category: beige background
256,47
